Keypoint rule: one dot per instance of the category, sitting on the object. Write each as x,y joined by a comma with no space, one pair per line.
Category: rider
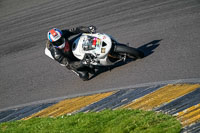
61,49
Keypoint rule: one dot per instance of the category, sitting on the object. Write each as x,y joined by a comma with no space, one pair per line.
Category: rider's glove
87,64
92,29
88,58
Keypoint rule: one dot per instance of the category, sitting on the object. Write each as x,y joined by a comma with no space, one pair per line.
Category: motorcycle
100,49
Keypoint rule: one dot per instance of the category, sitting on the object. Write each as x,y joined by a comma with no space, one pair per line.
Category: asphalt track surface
167,31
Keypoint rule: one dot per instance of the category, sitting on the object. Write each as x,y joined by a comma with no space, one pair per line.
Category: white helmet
56,38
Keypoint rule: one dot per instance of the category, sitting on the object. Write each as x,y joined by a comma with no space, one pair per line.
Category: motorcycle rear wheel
129,51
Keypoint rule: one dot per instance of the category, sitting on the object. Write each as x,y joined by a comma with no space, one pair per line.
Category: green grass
107,121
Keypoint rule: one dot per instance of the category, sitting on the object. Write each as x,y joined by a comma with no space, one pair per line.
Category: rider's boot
81,72
83,75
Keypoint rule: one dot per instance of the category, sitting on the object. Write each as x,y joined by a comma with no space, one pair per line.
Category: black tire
131,52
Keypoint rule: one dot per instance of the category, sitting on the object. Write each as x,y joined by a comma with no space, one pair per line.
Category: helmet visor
59,42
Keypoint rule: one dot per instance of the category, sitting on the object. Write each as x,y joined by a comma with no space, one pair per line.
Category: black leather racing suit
65,56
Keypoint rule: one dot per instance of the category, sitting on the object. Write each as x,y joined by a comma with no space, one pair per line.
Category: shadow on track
147,49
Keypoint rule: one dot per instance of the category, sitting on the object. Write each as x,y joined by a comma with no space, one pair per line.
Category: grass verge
107,121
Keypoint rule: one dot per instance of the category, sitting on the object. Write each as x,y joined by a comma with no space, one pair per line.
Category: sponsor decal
96,42
103,50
